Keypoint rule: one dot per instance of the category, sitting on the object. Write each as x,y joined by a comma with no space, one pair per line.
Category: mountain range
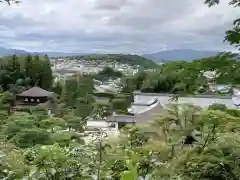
169,55
180,55
19,52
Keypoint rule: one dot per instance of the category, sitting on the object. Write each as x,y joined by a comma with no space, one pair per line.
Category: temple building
32,97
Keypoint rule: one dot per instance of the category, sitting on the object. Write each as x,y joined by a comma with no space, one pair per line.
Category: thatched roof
36,92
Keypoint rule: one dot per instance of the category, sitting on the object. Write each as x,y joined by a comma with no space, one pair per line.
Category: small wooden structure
32,97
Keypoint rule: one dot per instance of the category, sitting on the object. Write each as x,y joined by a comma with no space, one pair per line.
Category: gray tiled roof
125,118
36,92
202,101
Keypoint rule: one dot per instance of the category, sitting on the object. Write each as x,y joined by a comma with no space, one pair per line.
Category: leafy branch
9,2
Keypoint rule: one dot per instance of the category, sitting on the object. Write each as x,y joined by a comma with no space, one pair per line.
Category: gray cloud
126,26
110,4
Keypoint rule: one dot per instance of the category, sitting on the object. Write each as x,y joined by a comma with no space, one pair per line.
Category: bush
104,94
233,112
31,137
119,104
221,107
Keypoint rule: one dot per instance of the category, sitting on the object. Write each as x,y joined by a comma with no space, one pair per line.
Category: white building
96,128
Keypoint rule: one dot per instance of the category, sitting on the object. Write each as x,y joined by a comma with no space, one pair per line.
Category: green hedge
119,104
104,94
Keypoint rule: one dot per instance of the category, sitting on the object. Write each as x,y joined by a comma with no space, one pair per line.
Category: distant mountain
170,55
179,55
59,54
9,52
19,52
122,58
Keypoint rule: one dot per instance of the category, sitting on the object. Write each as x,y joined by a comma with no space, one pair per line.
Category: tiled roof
36,92
202,101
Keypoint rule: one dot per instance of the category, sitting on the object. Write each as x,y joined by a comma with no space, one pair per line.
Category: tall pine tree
13,69
28,65
46,77
77,87
34,70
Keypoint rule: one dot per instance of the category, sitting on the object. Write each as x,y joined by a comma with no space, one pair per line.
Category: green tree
24,130
132,172
74,123
84,106
28,65
57,88
100,111
13,69
221,107
70,92
9,2
232,36
139,79
77,87
86,85
12,165
119,105
217,161
55,162
128,85
64,139
46,77
52,123
35,70
19,121
31,137
16,73
108,73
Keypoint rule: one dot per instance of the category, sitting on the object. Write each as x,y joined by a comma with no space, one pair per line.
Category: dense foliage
188,77
78,94
33,147
9,2
183,142
20,73
233,35
108,73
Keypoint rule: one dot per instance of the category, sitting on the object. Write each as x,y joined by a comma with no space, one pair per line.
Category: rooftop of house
36,92
142,113
147,105
200,100
236,91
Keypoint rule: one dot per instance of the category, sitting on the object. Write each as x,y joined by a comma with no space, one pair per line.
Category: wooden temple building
31,98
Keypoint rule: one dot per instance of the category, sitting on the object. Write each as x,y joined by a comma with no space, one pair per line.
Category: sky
115,26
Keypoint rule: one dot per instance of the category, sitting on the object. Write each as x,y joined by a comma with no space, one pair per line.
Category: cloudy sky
112,26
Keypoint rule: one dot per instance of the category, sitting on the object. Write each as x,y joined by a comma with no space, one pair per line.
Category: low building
140,113
221,88
203,101
32,97
100,129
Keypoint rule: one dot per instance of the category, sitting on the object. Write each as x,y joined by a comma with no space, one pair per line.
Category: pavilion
32,97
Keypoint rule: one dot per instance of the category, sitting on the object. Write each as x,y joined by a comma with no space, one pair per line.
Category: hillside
188,77
19,52
179,55
9,52
132,60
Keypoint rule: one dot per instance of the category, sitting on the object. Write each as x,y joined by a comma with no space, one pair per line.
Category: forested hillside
187,77
180,55
133,60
